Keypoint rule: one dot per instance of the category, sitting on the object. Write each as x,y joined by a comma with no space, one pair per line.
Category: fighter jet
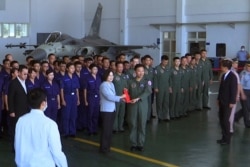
62,44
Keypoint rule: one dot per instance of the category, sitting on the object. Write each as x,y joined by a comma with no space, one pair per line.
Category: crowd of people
78,88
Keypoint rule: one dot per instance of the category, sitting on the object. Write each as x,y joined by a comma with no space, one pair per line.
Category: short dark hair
21,67
5,60
74,58
164,57
138,66
13,70
106,74
66,56
226,63
70,64
203,50
30,70
35,98
49,71
13,62
183,57
51,54
61,62
77,63
93,65
29,57
33,62
187,54
147,57
119,62
112,61
88,59
44,62
125,62
105,58
7,55
176,58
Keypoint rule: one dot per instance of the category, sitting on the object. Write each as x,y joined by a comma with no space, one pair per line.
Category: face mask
46,106
243,49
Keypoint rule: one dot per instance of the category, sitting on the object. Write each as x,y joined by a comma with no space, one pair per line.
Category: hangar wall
135,22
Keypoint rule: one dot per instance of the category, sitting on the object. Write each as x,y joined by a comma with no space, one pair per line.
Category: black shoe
133,148
72,136
219,141
115,131
95,133
121,131
166,120
140,148
206,107
198,109
152,116
90,134
224,143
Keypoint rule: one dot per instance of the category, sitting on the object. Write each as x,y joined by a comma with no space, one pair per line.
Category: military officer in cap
139,89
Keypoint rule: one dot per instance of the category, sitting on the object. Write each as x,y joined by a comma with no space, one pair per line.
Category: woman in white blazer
107,101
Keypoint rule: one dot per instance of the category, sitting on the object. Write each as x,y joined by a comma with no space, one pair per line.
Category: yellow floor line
129,153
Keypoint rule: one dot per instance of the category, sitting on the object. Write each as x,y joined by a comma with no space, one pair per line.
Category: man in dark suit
226,100
17,99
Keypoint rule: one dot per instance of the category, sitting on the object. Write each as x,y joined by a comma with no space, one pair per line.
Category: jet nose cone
38,54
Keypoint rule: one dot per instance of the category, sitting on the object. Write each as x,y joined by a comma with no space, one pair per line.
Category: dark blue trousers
69,115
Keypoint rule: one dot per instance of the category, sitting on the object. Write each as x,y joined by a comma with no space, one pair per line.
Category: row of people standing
79,85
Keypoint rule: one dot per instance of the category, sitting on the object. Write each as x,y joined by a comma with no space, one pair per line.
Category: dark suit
18,104
227,95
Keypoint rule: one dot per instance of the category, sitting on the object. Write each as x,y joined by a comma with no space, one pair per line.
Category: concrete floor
188,142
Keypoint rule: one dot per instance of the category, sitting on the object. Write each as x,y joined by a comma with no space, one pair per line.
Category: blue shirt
92,84
37,141
51,90
30,85
69,85
242,55
245,79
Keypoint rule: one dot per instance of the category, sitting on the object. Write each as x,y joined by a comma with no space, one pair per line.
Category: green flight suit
120,82
137,112
199,85
207,76
193,86
161,82
175,97
185,84
130,73
149,74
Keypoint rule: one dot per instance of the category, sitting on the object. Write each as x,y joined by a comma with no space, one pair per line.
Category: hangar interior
176,25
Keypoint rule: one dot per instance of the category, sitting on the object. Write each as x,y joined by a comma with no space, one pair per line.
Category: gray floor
188,142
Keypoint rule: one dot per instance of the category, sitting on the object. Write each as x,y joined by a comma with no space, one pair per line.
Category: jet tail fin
96,23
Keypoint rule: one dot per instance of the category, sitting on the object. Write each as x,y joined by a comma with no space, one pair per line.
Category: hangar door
196,41
169,45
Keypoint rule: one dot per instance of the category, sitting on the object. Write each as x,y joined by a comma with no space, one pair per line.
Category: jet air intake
86,51
39,54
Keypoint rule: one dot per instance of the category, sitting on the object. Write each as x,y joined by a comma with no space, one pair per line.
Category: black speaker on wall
220,50
194,47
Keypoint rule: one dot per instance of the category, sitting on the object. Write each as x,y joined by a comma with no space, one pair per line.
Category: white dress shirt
22,82
37,142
